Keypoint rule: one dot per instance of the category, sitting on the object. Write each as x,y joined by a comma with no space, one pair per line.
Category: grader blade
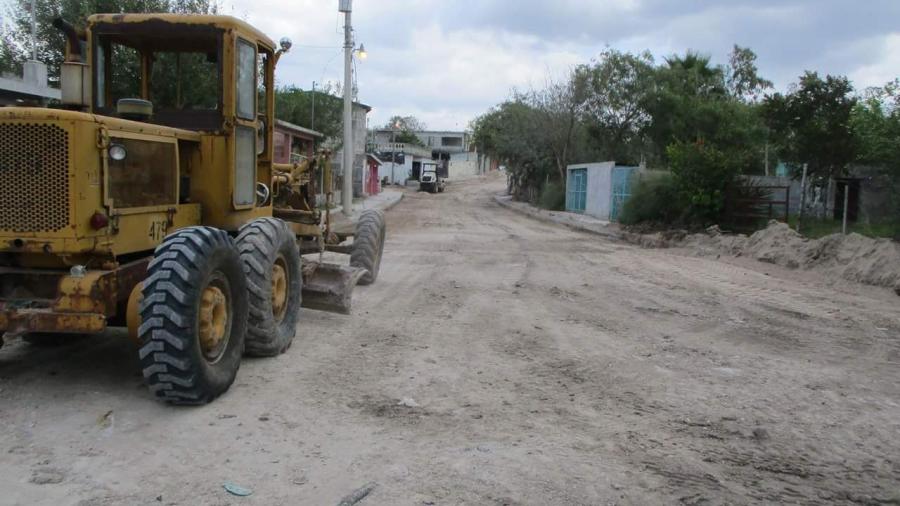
329,287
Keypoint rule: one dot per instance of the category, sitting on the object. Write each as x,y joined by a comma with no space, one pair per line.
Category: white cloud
457,75
446,62
884,67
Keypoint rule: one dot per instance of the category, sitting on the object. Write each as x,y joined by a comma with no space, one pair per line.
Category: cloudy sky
447,61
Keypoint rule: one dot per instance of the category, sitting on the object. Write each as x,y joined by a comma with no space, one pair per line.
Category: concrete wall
400,171
31,87
874,196
463,166
599,188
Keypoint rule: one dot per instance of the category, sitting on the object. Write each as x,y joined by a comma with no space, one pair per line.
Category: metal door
621,190
576,190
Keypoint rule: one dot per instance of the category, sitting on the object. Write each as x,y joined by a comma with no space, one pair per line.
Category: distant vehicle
429,180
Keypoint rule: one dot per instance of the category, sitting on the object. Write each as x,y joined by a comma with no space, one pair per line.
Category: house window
451,142
245,166
246,80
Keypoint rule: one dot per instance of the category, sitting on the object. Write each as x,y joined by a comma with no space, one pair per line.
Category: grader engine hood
37,155
61,196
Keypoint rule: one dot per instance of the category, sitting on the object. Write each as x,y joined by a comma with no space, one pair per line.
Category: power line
317,47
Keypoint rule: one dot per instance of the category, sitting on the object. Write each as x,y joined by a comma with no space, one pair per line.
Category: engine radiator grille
34,177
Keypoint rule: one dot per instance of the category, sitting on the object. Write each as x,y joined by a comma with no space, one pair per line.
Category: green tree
875,121
16,37
296,106
616,88
558,107
701,120
685,103
691,103
742,75
812,124
513,133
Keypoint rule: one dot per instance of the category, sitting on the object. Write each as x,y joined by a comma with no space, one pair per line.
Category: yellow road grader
151,199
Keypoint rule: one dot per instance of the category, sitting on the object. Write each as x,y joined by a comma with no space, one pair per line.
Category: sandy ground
497,360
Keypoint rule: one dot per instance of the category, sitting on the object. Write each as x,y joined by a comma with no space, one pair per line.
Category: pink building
294,142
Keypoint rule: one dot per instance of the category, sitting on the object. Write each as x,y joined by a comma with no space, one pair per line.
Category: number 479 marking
158,229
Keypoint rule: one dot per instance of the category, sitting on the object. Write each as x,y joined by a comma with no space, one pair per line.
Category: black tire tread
258,243
368,244
168,313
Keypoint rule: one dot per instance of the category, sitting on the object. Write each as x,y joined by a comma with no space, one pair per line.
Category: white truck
429,180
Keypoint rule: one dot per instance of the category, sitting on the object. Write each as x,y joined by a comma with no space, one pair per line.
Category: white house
598,189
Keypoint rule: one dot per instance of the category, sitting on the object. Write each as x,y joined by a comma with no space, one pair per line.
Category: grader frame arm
326,286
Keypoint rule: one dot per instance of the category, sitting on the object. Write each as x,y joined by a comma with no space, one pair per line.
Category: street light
346,7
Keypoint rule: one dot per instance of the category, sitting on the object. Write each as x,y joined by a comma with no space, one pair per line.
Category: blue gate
621,190
576,190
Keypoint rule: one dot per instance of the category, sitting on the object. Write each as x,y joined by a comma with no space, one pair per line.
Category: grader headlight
117,152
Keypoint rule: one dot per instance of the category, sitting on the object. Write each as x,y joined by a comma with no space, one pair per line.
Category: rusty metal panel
146,177
94,292
37,320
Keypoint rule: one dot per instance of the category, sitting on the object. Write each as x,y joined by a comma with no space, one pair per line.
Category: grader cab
151,198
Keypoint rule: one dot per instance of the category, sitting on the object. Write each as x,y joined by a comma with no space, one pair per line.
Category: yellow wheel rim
213,320
279,289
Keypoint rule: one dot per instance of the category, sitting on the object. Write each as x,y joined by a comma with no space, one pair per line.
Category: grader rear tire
274,284
194,316
368,245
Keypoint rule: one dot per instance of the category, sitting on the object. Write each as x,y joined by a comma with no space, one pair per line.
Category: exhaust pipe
71,37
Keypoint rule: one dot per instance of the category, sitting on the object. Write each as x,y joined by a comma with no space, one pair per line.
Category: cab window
246,80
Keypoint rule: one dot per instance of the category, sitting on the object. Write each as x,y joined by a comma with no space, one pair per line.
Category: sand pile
858,258
853,257
777,244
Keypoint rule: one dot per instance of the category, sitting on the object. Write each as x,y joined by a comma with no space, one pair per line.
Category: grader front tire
368,245
194,316
274,284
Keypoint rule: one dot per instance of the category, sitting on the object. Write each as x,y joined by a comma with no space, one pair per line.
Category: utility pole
345,6
802,198
312,115
846,206
34,50
393,154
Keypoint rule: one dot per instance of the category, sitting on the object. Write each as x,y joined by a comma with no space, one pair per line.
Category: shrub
702,175
654,199
553,196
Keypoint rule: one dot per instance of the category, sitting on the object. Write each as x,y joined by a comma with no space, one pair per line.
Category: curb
356,213
537,214
394,203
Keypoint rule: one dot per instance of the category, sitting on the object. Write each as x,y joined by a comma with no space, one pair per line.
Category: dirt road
497,360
